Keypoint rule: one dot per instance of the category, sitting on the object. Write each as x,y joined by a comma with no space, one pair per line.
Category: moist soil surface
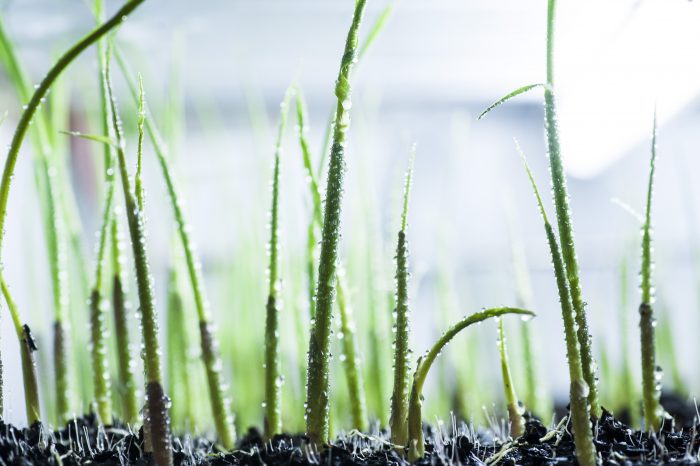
82,442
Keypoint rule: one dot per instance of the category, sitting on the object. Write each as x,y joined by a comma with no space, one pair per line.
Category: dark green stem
651,383
318,386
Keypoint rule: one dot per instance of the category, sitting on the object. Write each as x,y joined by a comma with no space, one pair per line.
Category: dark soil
83,443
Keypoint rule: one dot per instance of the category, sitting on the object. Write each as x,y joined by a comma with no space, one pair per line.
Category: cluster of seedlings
116,405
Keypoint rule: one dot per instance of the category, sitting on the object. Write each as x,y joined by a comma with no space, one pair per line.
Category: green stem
98,310
402,362
651,383
415,429
211,357
566,238
156,419
318,387
273,377
578,388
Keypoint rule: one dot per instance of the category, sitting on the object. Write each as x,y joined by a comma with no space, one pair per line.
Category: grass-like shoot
211,356
578,388
416,447
651,374
566,232
318,381
273,376
515,410
402,361
156,417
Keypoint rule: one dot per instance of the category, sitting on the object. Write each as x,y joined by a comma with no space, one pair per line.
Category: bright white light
614,62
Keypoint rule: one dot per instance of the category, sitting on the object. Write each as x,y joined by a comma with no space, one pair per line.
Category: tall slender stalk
402,361
126,365
318,385
211,357
416,447
98,309
566,236
578,388
651,374
273,376
156,418
27,347
515,411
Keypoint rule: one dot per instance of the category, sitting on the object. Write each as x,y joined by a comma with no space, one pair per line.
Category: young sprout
156,418
566,235
402,362
351,364
651,373
515,410
561,203
578,388
273,377
318,385
416,447
98,312
211,357
27,349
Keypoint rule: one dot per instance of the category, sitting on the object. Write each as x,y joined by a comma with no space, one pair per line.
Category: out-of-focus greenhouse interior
214,74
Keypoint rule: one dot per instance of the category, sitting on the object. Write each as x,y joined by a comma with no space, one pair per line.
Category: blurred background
215,73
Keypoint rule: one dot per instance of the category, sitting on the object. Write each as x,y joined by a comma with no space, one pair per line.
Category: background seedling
515,411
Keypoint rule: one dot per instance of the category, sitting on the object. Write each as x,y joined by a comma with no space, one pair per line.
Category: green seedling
318,381
211,357
651,374
563,212
578,388
156,417
402,361
515,410
416,447
273,376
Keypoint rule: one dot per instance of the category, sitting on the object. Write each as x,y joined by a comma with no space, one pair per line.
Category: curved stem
415,431
515,412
